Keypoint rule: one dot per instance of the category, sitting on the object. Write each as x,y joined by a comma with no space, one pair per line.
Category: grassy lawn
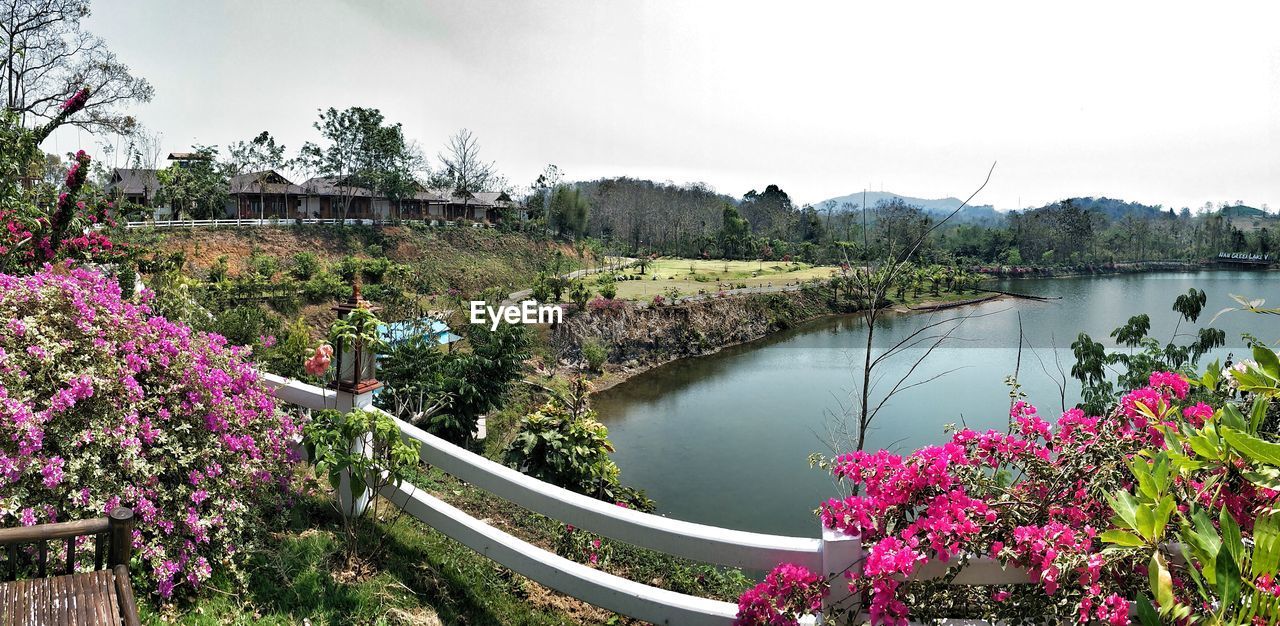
688,276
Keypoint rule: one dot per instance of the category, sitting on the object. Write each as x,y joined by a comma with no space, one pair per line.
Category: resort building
138,186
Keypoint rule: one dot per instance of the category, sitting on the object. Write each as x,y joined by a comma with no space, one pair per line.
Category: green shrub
580,294
305,265
325,287
608,286
348,267
243,325
562,443
218,272
262,265
374,270
595,354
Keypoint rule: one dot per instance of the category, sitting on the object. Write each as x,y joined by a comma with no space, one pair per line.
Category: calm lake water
725,439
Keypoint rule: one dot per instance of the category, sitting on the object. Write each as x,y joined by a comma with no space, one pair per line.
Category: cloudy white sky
1155,102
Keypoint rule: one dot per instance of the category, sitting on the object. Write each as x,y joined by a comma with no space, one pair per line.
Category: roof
132,182
266,181
430,195
480,199
330,186
188,156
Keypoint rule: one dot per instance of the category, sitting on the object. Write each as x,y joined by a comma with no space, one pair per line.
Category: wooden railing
290,222
113,546
832,554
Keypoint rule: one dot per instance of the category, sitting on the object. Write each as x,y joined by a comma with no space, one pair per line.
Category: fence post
120,525
840,552
355,507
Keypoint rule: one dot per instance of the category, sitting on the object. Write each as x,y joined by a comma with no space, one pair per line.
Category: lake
724,439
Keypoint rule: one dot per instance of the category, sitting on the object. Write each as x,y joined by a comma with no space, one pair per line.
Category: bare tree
871,284
145,148
46,57
462,171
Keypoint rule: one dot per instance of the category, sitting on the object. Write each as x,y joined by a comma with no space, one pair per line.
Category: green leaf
1266,477
1160,580
1146,517
1231,417
1123,538
1258,413
1266,544
1125,507
1202,446
1231,540
1254,448
1267,360
1164,509
1147,614
1227,579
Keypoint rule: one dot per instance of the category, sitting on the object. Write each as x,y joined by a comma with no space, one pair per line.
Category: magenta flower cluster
787,593
104,405
1033,496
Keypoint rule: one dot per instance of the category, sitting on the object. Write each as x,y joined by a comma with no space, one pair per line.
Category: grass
415,576
410,574
688,276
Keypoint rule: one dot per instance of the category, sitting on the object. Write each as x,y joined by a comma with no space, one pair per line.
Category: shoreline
614,377
616,374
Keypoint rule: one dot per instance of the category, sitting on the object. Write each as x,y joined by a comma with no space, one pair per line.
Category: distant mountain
972,214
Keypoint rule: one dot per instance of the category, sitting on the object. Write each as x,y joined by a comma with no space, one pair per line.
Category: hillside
467,259
973,214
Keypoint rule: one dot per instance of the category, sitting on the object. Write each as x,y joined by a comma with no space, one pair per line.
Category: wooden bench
70,597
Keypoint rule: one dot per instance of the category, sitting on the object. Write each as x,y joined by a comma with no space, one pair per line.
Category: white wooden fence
832,554
286,222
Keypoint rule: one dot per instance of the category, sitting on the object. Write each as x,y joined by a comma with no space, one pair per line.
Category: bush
262,265
305,265
348,267
375,269
218,272
602,305
325,287
103,405
1087,507
562,443
595,354
244,325
608,288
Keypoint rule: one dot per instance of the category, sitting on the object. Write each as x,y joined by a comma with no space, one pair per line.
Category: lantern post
355,382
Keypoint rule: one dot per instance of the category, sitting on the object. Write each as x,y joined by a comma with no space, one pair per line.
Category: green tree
568,211
735,233
362,152
196,188
260,155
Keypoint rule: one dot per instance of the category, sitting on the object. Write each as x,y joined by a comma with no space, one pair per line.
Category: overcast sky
1154,102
